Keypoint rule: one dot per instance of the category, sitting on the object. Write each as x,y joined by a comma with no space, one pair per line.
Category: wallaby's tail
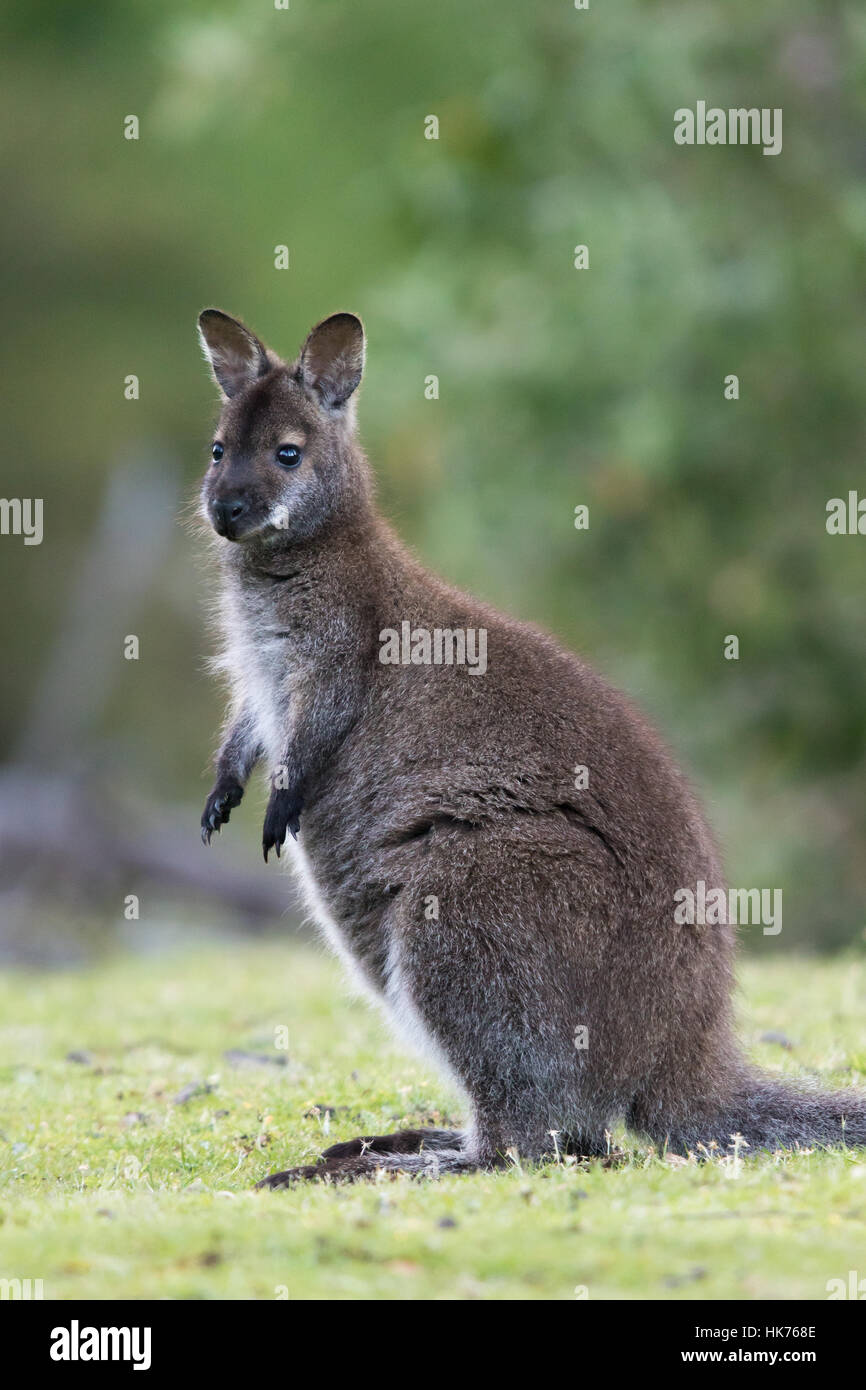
767,1112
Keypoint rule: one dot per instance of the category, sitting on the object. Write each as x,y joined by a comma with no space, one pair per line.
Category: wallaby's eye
289,455
217,452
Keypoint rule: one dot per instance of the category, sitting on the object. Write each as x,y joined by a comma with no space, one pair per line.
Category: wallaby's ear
236,356
332,359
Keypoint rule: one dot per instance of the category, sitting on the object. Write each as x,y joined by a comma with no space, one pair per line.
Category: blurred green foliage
605,386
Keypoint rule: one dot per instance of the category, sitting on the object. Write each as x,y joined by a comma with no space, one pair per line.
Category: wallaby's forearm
239,752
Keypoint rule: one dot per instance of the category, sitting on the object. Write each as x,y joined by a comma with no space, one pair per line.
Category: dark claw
218,808
283,817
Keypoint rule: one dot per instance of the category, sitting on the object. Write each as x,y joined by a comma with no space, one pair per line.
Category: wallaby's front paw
225,796
282,818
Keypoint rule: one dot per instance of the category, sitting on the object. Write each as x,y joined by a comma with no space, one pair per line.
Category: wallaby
501,910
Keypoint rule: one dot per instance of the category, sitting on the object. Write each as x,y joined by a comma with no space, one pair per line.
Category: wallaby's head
284,460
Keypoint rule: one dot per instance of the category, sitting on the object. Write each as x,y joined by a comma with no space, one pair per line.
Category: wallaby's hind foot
425,1153
404,1141
429,1163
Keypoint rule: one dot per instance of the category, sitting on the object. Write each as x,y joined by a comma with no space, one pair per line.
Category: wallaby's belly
315,893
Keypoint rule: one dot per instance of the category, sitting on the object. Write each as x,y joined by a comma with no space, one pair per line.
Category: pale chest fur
271,675
265,671
262,666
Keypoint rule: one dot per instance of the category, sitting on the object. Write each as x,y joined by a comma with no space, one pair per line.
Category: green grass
109,1189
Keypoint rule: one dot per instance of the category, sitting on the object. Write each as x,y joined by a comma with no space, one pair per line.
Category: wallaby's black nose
227,514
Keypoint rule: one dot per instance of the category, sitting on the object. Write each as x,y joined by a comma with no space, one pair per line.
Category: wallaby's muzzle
228,516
